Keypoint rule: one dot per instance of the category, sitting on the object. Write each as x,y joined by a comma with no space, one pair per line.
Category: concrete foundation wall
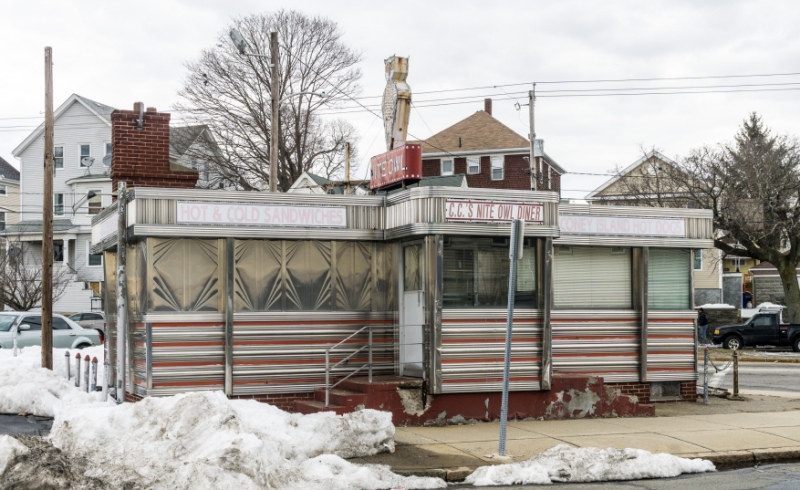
767,289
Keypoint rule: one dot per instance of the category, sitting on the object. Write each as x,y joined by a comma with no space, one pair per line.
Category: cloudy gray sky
120,52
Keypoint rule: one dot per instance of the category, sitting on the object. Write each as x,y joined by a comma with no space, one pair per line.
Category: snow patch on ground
564,463
716,306
10,449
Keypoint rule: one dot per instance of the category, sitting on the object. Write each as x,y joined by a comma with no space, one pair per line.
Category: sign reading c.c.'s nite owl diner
492,211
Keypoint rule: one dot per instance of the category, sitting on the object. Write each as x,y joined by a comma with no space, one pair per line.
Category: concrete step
343,398
316,406
379,383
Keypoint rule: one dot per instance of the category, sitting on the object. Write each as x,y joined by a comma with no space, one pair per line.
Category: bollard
93,386
736,373
66,358
86,373
78,369
14,332
105,379
705,376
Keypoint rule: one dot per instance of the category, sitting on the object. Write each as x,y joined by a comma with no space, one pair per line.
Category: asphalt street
777,379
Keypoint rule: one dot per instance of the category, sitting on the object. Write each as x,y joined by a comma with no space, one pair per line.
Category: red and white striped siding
670,345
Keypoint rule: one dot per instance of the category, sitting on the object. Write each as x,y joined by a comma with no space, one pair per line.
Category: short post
705,376
66,358
735,373
93,386
105,379
78,369
86,373
327,376
370,355
14,332
515,253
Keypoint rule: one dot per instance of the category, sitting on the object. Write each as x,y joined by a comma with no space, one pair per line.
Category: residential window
447,167
2,220
93,260
58,251
86,152
498,167
108,149
58,157
473,165
58,204
698,260
3,191
96,202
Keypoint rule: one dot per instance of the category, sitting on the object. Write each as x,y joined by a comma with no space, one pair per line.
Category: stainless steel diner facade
244,292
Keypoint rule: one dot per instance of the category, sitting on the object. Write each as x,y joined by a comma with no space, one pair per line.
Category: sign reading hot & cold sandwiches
262,214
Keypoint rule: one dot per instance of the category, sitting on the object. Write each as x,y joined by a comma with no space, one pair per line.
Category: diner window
669,279
58,157
698,260
592,277
93,260
58,204
85,153
95,203
473,165
475,273
447,167
498,167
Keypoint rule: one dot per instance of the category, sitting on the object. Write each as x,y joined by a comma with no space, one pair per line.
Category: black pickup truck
763,328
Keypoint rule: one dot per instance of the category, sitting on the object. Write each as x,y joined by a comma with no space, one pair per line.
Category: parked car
764,328
66,333
90,319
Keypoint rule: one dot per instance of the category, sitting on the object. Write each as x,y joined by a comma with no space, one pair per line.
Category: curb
726,460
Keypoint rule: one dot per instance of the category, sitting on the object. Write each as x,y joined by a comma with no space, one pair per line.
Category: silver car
66,333
90,319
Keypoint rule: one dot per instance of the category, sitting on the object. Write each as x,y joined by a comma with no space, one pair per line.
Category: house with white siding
9,194
82,187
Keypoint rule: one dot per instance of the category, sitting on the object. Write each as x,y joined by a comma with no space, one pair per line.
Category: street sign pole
515,252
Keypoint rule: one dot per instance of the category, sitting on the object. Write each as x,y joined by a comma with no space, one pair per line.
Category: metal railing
345,361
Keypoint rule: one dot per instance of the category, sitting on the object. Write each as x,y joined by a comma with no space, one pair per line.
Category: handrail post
327,375
370,355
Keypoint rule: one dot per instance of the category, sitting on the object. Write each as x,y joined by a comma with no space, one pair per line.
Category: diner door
412,312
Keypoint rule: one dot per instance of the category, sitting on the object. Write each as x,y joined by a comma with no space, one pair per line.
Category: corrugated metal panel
286,353
669,279
670,345
600,343
473,347
592,277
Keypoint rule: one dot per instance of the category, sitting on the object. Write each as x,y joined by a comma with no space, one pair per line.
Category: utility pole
275,115
534,171
47,215
122,292
347,168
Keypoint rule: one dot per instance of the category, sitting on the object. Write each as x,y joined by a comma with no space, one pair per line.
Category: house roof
478,133
102,111
35,226
7,171
594,194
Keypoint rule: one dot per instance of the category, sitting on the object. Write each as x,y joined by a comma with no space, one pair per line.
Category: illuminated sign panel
492,211
262,215
396,165
623,226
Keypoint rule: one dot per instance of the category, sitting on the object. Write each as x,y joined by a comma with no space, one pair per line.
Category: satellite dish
87,162
107,163
14,252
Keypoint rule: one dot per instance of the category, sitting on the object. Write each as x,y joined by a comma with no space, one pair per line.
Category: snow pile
10,448
716,306
28,388
564,463
205,440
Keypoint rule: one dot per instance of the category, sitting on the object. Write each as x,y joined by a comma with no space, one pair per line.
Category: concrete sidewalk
732,440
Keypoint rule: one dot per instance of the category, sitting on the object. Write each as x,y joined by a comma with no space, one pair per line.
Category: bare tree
21,277
753,187
230,93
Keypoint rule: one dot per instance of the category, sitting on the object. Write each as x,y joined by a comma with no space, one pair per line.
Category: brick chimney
140,151
487,106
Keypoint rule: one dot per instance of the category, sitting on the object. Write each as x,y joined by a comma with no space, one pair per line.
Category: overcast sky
121,52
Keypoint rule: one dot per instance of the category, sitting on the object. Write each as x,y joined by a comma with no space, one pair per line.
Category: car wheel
83,346
733,342
796,344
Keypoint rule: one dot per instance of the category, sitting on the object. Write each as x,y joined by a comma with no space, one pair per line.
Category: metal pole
534,176
106,366
370,354
327,376
705,376
93,386
229,301
66,358
14,332
275,112
122,291
347,168
86,373
47,215
736,373
78,369
512,287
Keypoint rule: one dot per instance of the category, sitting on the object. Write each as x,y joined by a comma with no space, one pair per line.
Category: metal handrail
328,367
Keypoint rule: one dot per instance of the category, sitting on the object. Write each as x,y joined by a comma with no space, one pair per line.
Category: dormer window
447,166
